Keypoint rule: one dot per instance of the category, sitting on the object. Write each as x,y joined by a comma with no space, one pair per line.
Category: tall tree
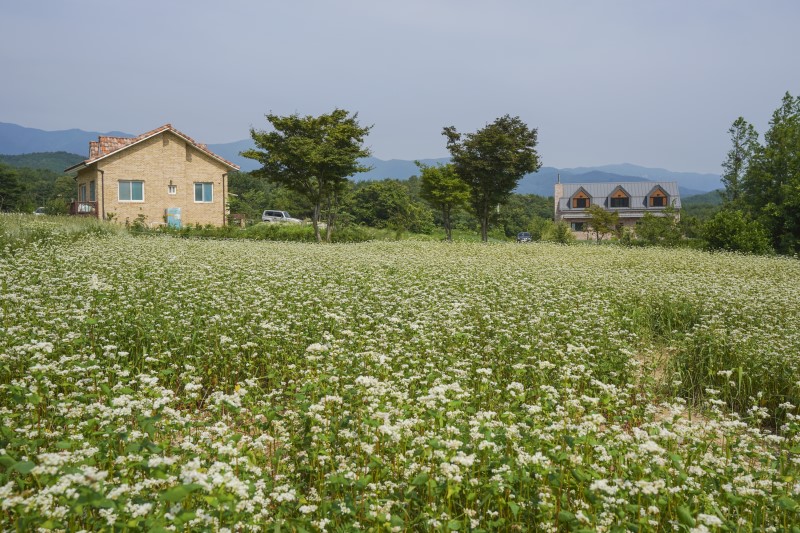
771,185
10,189
443,190
312,156
745,147
492,161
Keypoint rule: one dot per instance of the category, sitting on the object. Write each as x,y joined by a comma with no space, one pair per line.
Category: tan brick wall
157,162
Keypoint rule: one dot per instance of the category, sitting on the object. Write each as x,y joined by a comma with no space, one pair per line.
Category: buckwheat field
153,383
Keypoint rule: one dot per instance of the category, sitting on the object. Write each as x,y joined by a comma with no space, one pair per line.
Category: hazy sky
656,83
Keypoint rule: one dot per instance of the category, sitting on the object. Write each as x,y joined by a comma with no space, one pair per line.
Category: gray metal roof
637,190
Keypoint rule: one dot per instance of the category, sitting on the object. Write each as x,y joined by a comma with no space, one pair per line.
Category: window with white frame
204,192
131,191
172,189
92,191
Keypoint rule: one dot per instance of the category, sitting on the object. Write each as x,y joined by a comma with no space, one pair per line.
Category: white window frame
204,199
129,182
172,189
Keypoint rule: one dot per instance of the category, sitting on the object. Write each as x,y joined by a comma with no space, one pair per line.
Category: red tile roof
105,146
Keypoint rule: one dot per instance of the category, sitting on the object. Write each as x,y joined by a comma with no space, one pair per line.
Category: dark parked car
524,236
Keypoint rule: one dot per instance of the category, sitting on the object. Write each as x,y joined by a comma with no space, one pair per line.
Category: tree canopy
443,190
492,161
312,156
763,180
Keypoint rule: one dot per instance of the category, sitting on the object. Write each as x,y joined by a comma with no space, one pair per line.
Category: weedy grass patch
156,382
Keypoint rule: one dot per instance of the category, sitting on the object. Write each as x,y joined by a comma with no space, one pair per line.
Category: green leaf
514,508
23,467
7,461
787,503
566,516
452,490
103,503
685,516
454,525
420,479
174,495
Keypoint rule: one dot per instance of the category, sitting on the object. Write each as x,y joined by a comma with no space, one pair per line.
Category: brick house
631,200
162,176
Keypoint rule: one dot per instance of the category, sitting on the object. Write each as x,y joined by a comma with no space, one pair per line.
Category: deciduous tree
312,156
492,161
601,221
443,190
772,181
744,139
10,189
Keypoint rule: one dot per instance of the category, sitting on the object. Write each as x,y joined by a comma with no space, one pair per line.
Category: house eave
87,162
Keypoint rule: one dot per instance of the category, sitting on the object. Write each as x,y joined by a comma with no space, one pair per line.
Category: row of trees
415,205
762,185
25,189
314,156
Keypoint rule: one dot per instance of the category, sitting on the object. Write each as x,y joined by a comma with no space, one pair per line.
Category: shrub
734,231
560,233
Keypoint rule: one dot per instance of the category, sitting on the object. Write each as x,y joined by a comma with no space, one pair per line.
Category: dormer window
658,198
619,198
581,200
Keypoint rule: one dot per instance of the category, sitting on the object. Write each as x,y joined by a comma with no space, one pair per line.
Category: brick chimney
558,193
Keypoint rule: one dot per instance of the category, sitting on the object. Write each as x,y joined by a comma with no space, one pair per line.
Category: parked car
279,216
39,211
524,236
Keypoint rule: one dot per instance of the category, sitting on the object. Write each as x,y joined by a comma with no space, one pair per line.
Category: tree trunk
446,220
331,218
315,221
485,224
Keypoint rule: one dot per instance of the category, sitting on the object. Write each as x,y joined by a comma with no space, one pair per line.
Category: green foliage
766,179
312,156
558,232
492,161
10,189
661,230
55,162
700,207
732,230
388,204
538,227
745,147
250,195
22,230
602,222
441,187
520,211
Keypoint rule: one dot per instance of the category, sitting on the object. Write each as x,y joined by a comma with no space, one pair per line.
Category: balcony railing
83,208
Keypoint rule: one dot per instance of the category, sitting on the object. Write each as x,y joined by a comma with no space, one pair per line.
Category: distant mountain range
15,140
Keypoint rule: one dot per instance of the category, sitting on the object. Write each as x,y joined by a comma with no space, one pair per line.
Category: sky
650,82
